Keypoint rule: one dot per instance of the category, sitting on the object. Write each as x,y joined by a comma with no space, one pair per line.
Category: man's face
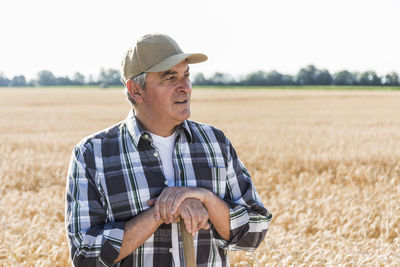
166,98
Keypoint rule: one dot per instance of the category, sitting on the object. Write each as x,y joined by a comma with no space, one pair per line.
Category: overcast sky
65,36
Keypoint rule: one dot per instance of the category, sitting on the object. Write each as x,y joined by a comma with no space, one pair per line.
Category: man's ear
135,90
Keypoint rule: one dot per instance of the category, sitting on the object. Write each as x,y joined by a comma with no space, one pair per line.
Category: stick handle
188,246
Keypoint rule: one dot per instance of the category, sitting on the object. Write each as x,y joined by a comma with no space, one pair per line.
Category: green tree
369,78
78,79
273,78
255,78
199,79
4,81
18,81
307,75
110,77
310,75
344,77
392,79
63,81
323,77
46,78
220,78
288,80
32,82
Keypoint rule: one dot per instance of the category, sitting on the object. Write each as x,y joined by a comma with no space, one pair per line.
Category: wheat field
326,164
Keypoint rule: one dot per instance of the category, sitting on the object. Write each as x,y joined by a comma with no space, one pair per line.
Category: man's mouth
182,101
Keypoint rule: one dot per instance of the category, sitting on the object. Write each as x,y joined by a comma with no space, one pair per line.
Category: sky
239,37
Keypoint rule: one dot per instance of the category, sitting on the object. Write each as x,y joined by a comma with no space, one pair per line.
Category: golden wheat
326,163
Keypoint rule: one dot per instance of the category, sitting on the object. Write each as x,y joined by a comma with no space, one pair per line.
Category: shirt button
155,154
166,182
146,136
171,250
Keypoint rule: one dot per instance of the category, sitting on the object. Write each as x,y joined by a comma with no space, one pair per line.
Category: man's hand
168,202
192,212
194,215
167,207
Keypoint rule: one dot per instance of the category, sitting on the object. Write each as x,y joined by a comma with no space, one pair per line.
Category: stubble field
326,164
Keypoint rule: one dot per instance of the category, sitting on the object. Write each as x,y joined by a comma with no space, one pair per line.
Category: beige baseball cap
155,53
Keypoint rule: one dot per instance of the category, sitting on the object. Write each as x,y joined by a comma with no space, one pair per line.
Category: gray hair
141,81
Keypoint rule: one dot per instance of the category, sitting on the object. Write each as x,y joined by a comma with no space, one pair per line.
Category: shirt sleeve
249,220
92,240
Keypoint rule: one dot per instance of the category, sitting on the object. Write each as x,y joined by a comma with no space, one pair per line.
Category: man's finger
179,198
194,214
162,205
185,214
166,200
204,224
168,206
151,202
185,193
157,206
194,223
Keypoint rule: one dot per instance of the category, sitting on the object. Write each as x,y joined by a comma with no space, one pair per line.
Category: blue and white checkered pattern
113,173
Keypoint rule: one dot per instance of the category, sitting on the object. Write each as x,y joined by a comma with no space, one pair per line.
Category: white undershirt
165,149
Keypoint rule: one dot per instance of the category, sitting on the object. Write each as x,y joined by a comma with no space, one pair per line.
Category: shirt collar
135,129
138,132
186,129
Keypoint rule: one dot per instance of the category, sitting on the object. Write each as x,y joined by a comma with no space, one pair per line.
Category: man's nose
185,85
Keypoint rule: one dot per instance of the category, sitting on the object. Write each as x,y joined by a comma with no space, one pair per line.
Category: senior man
128,184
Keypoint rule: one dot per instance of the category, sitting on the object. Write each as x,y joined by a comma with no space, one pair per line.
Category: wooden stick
188,246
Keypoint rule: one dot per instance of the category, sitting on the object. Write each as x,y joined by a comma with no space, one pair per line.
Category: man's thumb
151,202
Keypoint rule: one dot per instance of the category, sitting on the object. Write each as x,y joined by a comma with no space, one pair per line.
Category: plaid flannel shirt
113,173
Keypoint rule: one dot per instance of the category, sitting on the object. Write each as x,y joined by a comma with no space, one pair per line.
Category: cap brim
174,60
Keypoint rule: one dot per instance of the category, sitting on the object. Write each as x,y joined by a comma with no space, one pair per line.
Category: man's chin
184,116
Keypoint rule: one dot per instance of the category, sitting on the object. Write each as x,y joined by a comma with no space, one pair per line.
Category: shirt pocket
212,178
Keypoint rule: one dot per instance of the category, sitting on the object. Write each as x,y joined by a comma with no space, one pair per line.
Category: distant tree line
47,78
309,75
